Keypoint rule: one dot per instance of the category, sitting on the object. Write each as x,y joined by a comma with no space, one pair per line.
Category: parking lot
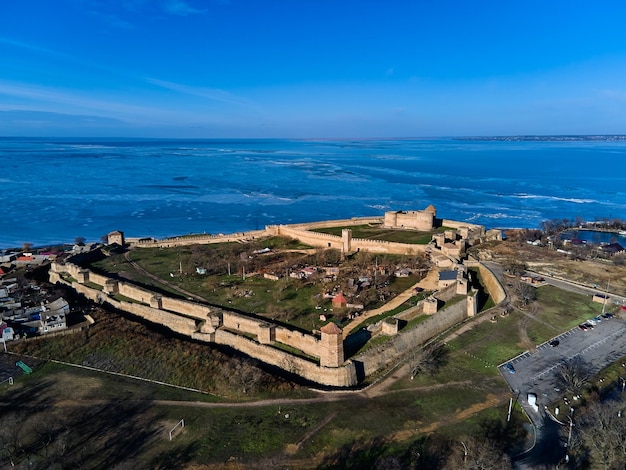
535,372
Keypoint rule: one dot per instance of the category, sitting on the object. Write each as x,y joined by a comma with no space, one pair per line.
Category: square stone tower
331,346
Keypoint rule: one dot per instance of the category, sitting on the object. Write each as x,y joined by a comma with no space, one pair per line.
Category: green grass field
378,233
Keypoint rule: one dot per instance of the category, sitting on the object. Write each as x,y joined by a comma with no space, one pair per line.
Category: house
47,318
612,249
332,271
6,332
8,258
340,301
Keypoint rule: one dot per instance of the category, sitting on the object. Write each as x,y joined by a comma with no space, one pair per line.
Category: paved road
578,288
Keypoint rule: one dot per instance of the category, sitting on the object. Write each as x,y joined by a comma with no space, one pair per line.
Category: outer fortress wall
381,356
196,239
496,291
343,376
308,344
190,309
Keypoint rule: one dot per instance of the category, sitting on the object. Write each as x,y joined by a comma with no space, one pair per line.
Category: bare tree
474,454
602,434
572,375
514,267
244,375
526,293
429,359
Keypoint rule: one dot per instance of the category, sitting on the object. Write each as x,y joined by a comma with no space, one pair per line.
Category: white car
591,321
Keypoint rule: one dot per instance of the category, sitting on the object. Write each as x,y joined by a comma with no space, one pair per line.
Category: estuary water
54,190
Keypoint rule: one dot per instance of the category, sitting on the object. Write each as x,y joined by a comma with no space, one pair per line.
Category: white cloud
214,94
181,8
55,96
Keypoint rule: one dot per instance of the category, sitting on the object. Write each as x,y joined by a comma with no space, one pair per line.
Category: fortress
320,357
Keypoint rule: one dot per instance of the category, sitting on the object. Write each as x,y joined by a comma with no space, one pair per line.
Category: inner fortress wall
475,230
383,246
321,240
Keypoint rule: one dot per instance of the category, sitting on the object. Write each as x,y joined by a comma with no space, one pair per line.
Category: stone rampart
446,293
475,230
234,321
383,246
496,291
185,307
382,356
339,223
174,322
326,240
197,239
321,240
136,293
308,344
344,376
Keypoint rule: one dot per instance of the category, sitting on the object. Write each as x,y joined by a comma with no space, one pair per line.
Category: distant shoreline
548,138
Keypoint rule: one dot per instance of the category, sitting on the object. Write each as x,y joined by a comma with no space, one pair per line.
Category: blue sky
300,68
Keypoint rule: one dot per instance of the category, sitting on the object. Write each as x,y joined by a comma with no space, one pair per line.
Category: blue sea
55,190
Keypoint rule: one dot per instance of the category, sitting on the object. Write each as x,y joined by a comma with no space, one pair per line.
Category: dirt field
546,261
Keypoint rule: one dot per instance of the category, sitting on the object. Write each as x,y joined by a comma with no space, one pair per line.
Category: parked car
607,315
510,367
592,322
554,343
583,327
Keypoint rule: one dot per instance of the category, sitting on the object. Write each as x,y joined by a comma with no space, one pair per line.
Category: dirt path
523,334
162,281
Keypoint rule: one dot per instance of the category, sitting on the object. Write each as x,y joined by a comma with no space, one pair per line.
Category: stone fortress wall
254,336
214,325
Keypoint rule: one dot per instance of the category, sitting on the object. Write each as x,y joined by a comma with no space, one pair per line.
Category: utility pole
606,296
508,418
